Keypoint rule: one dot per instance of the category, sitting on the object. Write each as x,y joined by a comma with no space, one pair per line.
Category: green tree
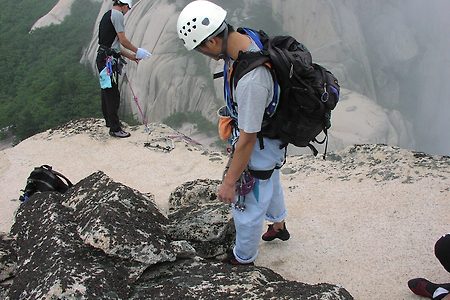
42,83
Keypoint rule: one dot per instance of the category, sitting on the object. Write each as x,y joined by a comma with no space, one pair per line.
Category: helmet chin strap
223,54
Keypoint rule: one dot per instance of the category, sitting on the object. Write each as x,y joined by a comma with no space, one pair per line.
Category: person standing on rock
111,37
255,170
426,288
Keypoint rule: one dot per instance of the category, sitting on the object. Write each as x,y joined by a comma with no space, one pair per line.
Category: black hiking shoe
425,288
119,134
231,260
272,234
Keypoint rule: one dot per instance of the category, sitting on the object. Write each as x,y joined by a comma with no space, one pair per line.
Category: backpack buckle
291,71
325,96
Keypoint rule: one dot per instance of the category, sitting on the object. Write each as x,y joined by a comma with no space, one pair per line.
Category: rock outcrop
197,217
8,257
211,280
104,240
55,16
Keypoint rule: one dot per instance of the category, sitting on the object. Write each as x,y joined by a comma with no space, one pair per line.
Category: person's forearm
241,157
128,45
125,42
127,54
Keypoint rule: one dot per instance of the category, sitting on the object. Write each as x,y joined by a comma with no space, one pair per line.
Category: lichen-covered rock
201,279
3,290
375,161
119,220
207,227
194,192
8,257
54,263
198,217
183,249
103,240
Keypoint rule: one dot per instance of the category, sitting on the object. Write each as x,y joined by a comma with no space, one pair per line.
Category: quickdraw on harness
109,65
244,185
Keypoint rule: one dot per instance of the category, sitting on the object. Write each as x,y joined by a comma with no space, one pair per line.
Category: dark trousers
442,251
110,98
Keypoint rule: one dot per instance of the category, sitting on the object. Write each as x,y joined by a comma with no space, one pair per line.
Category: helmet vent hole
185,34
194,27
194,20
188,23
205,21
195,41
189,30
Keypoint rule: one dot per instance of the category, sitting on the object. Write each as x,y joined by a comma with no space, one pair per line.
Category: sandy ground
367,236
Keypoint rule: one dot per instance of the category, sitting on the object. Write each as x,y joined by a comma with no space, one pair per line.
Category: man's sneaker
272,234
119,134
231,260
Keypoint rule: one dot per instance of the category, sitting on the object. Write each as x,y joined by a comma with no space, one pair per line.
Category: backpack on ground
301,107
44,179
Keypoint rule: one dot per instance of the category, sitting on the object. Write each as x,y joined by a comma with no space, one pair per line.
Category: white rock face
333,34
357,119
56,15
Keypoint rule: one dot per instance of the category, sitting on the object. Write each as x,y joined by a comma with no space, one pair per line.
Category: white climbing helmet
129,2
198,21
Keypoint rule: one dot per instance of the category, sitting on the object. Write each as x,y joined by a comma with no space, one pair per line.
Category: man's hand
130,56
133,58
241,157
226,193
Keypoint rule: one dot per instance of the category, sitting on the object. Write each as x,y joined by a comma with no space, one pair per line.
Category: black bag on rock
45,179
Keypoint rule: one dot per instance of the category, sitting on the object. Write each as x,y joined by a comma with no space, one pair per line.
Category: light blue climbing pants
265,201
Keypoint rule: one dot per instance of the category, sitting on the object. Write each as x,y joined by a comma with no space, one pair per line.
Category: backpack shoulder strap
69,183
246,62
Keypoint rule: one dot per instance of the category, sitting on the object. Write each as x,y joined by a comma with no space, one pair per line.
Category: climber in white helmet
255,170
113,44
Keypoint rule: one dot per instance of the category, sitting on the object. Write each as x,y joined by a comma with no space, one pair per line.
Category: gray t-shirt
118,23
253,94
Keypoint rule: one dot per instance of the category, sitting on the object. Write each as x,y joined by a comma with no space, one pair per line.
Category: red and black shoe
231,260
426,288
272,234
422,287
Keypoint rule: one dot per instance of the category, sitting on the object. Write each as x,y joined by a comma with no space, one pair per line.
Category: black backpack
44,179
308,91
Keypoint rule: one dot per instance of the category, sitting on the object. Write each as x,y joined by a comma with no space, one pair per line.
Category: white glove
141,53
